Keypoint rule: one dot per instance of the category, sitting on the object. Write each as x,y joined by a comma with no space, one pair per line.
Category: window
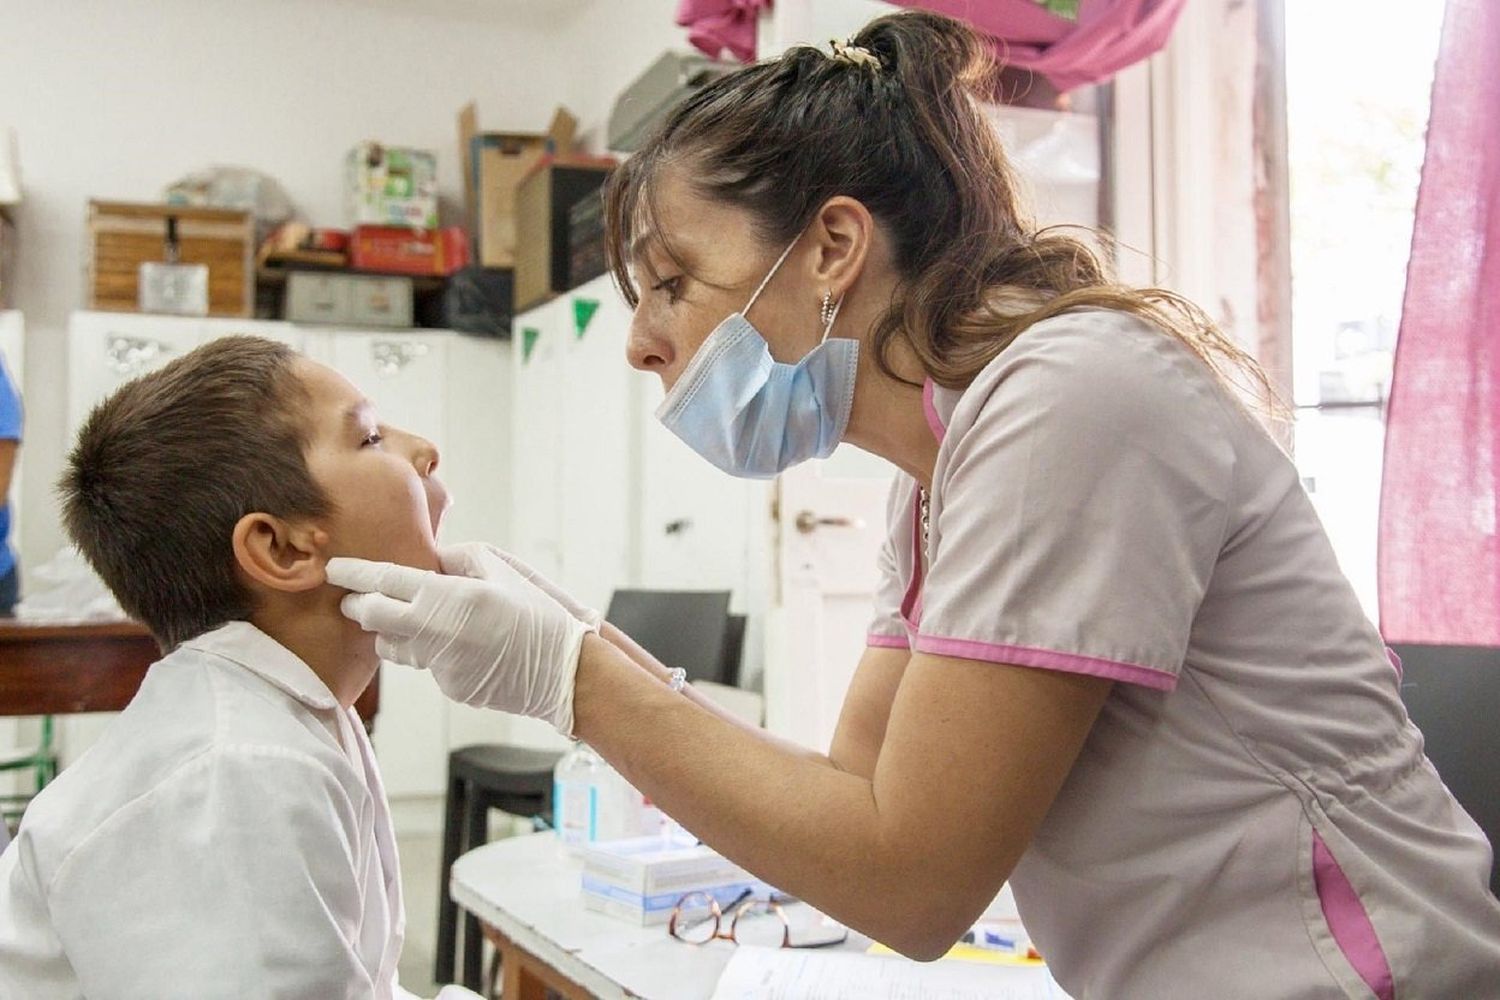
1358,86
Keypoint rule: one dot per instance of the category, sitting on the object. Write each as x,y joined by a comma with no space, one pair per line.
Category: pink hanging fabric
1107,36
717,26
1439,531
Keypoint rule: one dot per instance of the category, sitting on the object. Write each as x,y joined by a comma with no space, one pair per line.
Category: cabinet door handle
392,356
129,356
808,522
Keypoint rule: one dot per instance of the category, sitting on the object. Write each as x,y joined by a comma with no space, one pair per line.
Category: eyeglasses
698,919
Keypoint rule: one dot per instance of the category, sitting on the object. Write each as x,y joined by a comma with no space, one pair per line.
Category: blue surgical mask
753,416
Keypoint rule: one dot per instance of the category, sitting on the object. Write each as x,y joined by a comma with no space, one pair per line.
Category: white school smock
227,836
1252,814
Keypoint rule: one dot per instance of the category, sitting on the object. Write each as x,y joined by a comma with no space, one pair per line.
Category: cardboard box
587,257
494,164
391,186
397,250
543,262
123,236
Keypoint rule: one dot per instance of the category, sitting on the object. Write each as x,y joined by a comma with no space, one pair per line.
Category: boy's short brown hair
165,467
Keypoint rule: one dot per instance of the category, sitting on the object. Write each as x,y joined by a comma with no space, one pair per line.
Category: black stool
480,778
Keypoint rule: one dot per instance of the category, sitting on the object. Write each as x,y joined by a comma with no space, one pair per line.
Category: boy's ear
280,554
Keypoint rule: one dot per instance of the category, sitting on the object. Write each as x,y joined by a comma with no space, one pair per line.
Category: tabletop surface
525,887
44,628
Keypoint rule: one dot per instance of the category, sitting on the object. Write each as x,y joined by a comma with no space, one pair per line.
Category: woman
1114,660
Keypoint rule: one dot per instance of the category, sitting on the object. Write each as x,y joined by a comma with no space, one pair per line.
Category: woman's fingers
379,613
365,577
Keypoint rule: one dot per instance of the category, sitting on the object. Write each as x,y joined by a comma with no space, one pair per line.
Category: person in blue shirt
10,443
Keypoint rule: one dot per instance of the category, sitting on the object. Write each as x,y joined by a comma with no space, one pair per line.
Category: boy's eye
374,437
672,286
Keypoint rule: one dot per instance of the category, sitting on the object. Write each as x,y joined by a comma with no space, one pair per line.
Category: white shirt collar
244,644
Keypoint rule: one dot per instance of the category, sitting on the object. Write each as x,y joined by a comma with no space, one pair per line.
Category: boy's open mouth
438,502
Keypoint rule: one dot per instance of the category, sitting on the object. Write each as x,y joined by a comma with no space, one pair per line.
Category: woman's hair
904,135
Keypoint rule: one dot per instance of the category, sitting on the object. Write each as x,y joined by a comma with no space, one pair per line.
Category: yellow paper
969,953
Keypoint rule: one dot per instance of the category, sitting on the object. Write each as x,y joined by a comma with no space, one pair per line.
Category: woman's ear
279,554
843,230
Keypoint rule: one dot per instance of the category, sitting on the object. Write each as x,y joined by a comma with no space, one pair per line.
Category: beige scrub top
1252,814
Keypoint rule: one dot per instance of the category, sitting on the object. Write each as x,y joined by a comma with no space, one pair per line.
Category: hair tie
854,55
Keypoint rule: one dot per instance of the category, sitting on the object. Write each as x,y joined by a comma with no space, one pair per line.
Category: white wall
117,99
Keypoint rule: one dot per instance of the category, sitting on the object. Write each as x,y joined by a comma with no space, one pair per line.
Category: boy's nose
424,456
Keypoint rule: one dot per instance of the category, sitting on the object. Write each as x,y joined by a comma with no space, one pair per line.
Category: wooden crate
123,236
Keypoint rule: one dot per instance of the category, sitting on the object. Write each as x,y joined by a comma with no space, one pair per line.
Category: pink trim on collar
929,409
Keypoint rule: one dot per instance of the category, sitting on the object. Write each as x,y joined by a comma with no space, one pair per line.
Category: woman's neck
889,418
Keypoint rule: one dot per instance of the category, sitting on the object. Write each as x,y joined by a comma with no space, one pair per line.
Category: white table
529,898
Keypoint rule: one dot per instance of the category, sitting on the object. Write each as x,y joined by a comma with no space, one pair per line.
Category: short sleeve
1082,505
887,628
10,406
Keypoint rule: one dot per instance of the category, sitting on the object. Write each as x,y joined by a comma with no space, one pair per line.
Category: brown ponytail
908,140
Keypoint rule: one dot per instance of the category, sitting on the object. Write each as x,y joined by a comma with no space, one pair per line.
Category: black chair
515,780
1452,693
681,628
734,651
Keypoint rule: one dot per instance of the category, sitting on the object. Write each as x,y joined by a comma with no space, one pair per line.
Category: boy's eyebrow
356,410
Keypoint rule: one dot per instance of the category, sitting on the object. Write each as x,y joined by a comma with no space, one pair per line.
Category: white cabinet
603,496
450,388
404,373
106,350
538,358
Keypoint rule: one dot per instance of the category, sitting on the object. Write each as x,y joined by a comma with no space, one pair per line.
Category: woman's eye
672,286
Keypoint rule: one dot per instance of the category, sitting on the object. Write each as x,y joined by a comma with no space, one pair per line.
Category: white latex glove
496,642
476,559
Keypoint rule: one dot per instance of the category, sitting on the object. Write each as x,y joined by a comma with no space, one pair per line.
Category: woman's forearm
643,658
782,812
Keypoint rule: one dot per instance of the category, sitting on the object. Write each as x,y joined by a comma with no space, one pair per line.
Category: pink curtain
1439,531
1107,36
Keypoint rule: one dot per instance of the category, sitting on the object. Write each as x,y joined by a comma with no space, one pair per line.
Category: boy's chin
361,644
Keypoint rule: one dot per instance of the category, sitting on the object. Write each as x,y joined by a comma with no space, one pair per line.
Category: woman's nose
647,351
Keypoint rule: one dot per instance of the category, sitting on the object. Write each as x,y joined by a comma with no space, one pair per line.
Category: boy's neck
314,629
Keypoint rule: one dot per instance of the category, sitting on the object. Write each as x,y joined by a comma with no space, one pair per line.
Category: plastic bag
66,588
239,188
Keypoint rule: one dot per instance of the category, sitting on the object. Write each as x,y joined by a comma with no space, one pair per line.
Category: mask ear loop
769,275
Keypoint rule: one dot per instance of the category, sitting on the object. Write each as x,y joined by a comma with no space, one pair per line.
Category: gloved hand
477,559
496,642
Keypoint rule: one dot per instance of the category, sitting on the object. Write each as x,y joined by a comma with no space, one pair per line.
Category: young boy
228,836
